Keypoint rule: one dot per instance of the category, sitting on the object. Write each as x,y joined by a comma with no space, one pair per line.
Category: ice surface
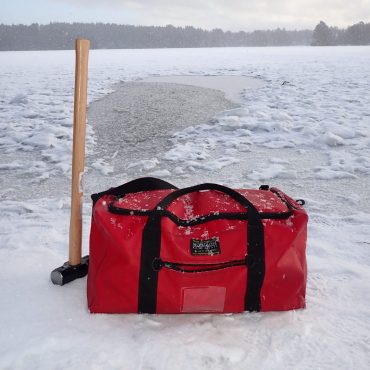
306,129
232,86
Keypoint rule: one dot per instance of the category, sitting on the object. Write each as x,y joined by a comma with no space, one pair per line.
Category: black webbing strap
134,186
151,247
255,274
148,279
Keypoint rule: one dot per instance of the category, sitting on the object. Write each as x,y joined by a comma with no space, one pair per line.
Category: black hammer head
67,273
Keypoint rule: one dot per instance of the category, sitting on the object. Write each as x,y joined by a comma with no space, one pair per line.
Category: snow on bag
206,248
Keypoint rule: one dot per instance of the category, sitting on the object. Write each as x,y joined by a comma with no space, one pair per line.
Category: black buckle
250,261
264,187
157,264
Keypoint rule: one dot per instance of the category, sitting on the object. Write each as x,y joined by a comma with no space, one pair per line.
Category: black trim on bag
135,186
283,199
151,246
199,220
202,219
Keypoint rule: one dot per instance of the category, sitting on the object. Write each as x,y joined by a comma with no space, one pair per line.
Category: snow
103,167
305,128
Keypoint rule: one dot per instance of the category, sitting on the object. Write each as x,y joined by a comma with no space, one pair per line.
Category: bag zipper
158,264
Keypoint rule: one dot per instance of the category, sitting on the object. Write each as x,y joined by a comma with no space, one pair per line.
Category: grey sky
226,14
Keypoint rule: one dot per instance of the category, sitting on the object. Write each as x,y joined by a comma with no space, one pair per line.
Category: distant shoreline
61,36
205,47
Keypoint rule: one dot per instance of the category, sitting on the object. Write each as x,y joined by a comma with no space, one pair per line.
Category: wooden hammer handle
78,154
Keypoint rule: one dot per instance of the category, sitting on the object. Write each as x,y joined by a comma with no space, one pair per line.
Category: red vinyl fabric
195,251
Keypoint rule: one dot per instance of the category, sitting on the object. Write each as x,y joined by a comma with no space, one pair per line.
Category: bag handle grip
253,214
135,186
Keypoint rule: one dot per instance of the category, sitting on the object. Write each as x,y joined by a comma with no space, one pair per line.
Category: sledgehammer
76,267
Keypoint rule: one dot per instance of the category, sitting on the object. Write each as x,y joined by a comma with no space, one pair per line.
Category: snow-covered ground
306,130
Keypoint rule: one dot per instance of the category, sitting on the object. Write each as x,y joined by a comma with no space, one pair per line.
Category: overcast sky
232,15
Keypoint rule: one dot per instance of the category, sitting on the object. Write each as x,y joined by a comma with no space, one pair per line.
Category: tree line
112,36
357,34
56,36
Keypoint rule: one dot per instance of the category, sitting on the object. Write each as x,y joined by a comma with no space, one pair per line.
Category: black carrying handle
135,186
254,217
151,249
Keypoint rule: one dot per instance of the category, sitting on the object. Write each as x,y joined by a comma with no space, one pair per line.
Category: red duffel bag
207,248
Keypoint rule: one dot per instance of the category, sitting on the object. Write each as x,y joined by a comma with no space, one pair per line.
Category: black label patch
207,247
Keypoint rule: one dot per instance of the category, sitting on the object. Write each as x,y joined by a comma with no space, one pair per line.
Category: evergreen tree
322,35
358,34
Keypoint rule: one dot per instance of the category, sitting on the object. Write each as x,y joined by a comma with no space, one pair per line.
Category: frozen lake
301,122
232,86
